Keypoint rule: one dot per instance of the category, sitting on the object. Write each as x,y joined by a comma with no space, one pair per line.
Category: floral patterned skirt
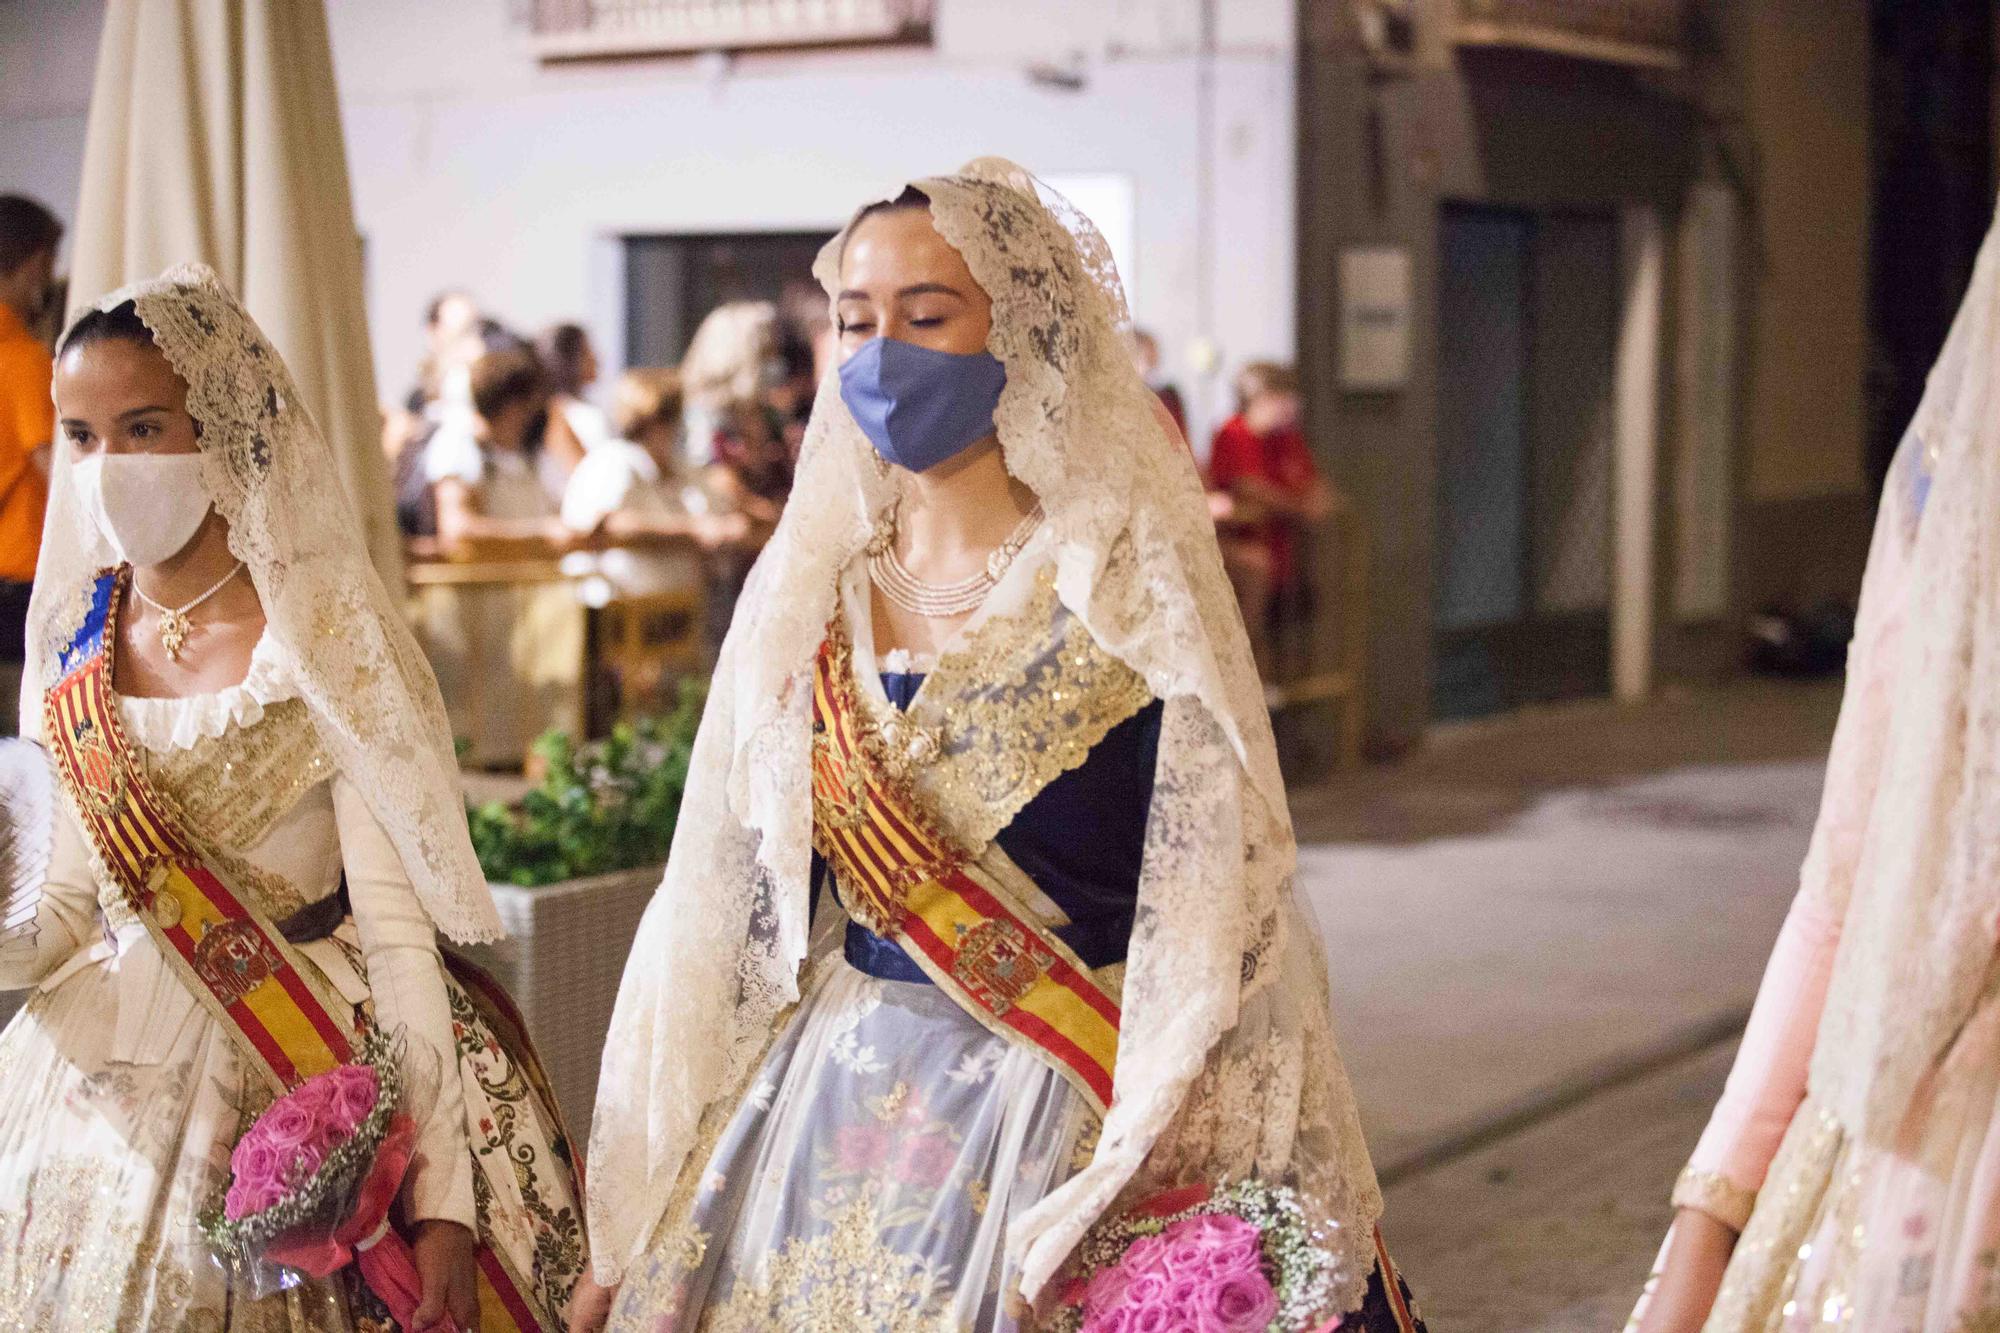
120,1100
105,1162
1890,1239
868,1177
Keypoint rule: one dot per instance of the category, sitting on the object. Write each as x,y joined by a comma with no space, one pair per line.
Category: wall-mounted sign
1374,318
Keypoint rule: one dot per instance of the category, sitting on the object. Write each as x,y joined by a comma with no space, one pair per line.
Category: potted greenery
572,866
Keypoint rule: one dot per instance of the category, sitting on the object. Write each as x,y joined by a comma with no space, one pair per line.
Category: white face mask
148,506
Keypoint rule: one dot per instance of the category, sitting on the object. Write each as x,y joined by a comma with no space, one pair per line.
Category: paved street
1545,933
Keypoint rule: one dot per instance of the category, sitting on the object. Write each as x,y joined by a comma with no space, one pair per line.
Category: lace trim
1024,701
903,662
1717,1195
236,786
184,723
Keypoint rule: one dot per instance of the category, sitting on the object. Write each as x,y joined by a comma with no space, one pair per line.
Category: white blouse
327,831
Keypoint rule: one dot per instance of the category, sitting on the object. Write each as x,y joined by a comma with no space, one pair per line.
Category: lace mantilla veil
267,469
1907,845
1226,1064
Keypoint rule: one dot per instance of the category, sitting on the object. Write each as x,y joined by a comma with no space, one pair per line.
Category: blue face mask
919,407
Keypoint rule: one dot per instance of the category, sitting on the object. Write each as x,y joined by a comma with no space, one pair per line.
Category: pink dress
1835,1232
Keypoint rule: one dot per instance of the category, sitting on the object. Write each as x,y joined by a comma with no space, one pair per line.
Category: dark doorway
672,282
1527,309
1931,142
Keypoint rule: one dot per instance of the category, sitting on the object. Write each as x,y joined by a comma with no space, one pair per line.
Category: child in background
634,488
1264,489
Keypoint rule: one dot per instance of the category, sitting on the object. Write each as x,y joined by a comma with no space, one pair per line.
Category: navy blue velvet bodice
1081,839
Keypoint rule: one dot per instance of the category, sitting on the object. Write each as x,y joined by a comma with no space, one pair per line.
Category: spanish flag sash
228,953
901,876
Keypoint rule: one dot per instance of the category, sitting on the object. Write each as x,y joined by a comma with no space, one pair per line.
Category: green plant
602,806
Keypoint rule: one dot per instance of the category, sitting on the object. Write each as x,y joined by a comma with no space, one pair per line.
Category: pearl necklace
944,601
175,623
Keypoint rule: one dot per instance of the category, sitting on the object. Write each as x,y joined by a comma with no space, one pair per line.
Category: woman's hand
1690,1274
448,1273
590,1305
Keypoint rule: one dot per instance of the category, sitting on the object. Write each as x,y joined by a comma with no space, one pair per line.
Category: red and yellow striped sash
227,952
902,877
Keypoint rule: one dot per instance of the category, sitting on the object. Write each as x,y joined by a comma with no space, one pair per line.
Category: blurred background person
575,425
29,234
490,500
1146,356
637,492
807,346
1265,489
451,345
727,367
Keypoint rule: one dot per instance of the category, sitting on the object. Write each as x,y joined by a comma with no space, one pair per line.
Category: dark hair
512,375
910,198
562,348
27,229
435,306
121,323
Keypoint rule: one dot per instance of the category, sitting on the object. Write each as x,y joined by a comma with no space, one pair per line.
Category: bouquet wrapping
1241,1259
312,1182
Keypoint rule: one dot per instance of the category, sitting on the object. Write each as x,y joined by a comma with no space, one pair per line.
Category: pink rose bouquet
312,1180
1243,1259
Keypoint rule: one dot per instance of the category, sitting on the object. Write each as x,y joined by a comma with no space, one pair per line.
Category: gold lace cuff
1717,1195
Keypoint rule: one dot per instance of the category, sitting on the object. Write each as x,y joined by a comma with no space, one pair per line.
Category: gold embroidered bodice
1022,702
232,790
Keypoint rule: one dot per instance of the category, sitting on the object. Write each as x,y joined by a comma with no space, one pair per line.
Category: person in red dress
1264,489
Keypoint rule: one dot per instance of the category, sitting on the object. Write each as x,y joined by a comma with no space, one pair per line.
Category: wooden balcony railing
1628,32
583,29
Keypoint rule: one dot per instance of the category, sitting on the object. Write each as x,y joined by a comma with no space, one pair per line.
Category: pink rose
925,1160
305,1161
287,1125
1193,1243
355,1093
242,1201
1155,1319
256,1168
1148,1289
315,1094
1144,1255
1241,1252
1244,1304
1107,1288
256,1160
1117,1319
861,1148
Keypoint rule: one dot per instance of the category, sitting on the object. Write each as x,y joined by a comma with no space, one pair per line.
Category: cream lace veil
1226,1064
267,469
1908,839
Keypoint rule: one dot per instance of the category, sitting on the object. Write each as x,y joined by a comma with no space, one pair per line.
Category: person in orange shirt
29,234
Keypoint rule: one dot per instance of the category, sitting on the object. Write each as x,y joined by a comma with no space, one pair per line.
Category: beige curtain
215,136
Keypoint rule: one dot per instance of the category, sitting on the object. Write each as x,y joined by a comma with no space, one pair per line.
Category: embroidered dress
236,885
120,1097
1856,1147
889,1138
1050,962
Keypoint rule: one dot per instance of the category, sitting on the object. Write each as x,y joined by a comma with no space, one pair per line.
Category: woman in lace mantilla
979,920
290,732
1850,1174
